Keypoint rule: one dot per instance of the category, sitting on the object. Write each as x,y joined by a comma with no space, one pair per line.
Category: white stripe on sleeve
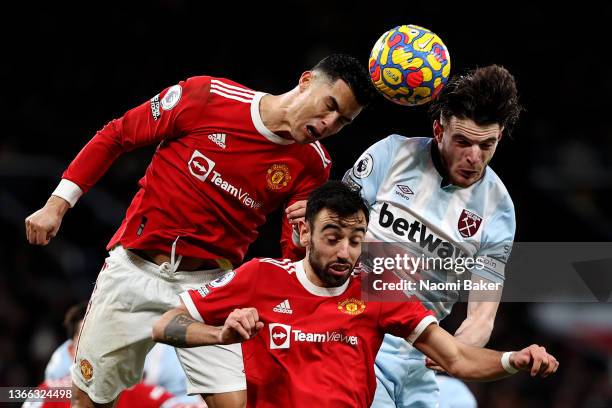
191,307
427,320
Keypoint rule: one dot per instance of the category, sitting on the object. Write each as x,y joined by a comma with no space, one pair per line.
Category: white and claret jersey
413,205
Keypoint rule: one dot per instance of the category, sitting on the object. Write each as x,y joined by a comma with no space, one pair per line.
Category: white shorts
129,297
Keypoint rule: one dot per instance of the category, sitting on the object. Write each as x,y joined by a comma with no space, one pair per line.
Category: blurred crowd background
67,70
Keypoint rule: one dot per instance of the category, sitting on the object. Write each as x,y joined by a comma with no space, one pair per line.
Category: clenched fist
534,359
43,225
240,325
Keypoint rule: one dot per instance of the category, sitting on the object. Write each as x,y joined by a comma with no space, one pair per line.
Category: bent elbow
456,368
157,333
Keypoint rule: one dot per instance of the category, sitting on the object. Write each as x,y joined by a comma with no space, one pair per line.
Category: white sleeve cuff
191,307
295,236
69,191
427,320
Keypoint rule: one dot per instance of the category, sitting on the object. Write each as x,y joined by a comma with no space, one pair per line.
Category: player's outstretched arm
476,329
479,364
177,328
44,224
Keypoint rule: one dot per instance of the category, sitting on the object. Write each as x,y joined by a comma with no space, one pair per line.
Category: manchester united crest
352,306
468,223
86,369
278,177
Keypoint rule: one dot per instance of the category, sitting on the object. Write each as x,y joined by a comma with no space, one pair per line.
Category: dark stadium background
67,70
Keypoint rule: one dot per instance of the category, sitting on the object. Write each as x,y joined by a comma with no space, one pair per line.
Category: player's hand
240,325
534,359
296,212
432,365
43,225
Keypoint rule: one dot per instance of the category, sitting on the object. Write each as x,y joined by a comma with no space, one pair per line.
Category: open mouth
468,173
339,269
312,132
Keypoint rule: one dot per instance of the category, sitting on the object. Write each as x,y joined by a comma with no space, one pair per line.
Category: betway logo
431,243
281,336
201,167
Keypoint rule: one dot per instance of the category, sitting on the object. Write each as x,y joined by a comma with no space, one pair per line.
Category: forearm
178,329
96,157
482,308
460,360
479,364
475,331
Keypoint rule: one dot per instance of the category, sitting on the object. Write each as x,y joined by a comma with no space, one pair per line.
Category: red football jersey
144,396
318,345
140,395
217,171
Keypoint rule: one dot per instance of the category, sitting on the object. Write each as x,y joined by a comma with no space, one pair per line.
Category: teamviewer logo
200,166
280,336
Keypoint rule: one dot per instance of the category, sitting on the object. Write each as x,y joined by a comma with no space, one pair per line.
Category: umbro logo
218,139
283,307
403,191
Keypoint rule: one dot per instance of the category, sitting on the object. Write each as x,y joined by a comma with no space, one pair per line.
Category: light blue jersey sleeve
372,167
497,243
60,362
162,367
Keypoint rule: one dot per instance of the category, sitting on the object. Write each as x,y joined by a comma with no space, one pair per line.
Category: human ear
305,80
304,233
438,131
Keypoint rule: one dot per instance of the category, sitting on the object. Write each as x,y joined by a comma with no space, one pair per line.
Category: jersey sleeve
168,114
372,167
213,302
290,246
498,238
60,362
405,319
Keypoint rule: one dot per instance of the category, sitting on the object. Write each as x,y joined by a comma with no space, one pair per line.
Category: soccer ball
409,65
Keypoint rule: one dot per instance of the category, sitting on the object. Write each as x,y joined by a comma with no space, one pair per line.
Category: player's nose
473,155
331,119
343,250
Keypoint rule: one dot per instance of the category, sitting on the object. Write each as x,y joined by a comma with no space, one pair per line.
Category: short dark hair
351,71
73,317
485,95
338,197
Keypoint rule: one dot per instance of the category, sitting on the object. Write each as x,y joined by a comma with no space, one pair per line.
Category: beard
322,270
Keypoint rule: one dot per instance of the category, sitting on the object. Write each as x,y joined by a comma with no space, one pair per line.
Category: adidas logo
218,139
283,307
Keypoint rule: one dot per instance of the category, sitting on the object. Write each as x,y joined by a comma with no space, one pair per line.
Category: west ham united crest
468,223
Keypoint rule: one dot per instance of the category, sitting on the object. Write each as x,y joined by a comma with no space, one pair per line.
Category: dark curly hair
351,71
486,95
337,197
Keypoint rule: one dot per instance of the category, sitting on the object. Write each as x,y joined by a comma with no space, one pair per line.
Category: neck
274,111
312,276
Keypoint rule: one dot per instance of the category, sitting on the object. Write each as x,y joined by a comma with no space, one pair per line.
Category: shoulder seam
285,264
234,92
321,152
